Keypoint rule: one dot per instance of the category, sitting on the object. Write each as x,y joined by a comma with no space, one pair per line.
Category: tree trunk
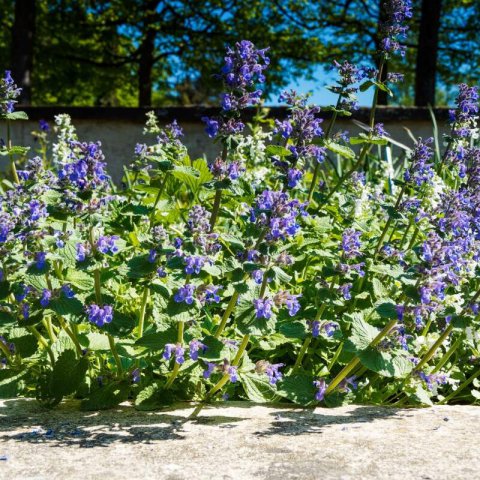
145,67
427,53
23,36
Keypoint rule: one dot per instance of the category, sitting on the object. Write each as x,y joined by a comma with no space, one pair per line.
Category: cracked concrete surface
238,440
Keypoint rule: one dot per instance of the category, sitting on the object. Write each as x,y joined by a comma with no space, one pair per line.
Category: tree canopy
160,52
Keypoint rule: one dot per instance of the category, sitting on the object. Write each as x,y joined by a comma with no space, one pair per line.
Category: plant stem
227,313
465,384
176,367
366,148
389,221
221,383
10,156
71,334
42,341
308,340
157,200
113,349
143,309
448,354
355,361
215,208
443,336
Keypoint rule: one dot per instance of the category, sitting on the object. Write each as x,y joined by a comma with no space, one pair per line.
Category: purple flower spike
321,387
100,315
195,347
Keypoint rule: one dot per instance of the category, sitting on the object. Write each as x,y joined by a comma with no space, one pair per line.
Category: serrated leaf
158,340
298,388
387,310
18,115
10,383
139,267
68,253
68,373
257,388
79,279
153,397
379,289
293,329
341,150
385,363
277,150
361,335
107,397
216,349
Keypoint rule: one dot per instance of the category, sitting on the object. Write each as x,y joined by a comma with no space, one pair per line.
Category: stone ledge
239,440
195,113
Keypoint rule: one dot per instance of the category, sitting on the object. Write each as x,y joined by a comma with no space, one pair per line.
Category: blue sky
321,96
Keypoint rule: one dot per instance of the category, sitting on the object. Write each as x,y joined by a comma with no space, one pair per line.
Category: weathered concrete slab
239,441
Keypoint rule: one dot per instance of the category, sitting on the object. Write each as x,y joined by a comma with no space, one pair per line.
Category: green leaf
68,373
6,318
11,384
121,325
393,271
385,363
379,289
158,340
257,388
298,388
387,310
216,349
16,116
279,274
154,397
293,329
107,397
68,254
277,150
139,267
187,175
70,308
25,345
341,150
79,279
97,341
362,333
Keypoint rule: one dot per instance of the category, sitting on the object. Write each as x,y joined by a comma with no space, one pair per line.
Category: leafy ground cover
301,264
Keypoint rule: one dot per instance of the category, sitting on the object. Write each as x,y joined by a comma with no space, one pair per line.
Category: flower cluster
100,315
9,92
277,214
395,13
244,67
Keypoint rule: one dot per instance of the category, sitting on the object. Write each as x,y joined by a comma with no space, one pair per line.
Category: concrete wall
119,129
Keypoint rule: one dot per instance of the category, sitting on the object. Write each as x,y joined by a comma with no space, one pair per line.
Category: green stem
366,148
222,382
176,367
143,309
448,354
215,208
388,223
227,313
157,200
308,340
355,361
71,334
114,351
335,357
42,341
98,289
465,384
10,156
